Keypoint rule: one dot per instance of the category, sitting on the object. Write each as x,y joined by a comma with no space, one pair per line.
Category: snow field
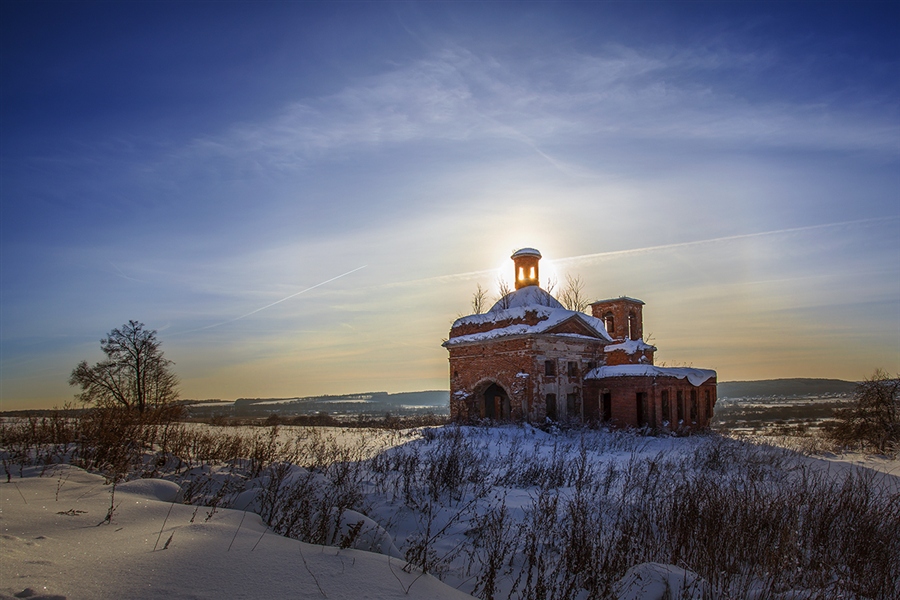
519,512
54,548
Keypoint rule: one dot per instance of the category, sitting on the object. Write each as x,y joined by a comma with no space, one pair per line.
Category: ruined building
530,359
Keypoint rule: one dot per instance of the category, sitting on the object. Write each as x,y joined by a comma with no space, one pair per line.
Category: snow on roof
627,298
548,317
630,346
695,376
526,252
531,295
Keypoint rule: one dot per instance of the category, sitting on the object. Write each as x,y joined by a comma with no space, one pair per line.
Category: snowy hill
495,512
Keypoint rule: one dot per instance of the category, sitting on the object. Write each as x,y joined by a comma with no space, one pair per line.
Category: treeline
784,387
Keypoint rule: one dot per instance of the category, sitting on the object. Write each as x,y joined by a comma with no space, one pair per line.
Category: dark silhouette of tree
874,417
134,374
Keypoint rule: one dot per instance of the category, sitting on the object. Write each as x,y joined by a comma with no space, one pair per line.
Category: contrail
729,238
253,312
646,249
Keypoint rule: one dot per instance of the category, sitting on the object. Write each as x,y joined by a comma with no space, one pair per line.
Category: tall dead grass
751,520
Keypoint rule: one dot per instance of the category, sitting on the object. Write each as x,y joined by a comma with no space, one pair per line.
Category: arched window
610,323
632,326
521,273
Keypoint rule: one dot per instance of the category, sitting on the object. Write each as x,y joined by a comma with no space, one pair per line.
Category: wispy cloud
623,93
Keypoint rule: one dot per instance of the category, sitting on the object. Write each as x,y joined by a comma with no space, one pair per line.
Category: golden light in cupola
526,272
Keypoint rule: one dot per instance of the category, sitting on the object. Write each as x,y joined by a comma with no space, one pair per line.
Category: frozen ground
58,544
495,512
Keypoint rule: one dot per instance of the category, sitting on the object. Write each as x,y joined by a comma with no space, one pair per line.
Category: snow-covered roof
548,319
627,298
526,252
695,376
531,310
630,346
531,295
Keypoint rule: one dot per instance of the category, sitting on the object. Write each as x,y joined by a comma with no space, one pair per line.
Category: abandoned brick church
530,359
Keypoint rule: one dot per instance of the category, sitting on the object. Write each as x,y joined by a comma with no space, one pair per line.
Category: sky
301,197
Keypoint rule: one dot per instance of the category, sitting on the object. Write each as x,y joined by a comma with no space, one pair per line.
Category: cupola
526,267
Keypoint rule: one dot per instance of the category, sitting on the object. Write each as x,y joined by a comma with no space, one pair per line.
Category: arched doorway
496,403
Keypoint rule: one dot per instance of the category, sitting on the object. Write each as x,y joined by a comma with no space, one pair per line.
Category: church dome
531,295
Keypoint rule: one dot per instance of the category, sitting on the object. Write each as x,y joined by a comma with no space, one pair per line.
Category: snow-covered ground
57,544
502,512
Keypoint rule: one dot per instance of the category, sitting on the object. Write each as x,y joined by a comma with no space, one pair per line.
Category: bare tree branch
572,296
479,300
505,291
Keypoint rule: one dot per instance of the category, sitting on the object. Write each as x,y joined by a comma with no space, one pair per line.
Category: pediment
574,325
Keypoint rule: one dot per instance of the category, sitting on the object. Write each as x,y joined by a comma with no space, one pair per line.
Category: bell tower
526,267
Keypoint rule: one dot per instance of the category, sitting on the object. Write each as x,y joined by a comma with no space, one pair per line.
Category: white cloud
458,96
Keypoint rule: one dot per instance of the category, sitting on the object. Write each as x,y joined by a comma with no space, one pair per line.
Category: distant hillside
784,387
427,402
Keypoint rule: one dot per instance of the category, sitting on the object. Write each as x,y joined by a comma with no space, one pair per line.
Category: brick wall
519,366
659,393
621,309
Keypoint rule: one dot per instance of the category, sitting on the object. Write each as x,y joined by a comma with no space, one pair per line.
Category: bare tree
504,290
874,417
134,374
479,300
550,285
572,296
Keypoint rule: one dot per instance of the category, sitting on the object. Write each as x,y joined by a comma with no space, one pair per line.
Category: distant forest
437,401
784,387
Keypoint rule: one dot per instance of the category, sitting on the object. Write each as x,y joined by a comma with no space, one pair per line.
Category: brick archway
493,401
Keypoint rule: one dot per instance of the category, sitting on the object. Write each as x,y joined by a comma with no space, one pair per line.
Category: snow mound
657,581
152,489
368,536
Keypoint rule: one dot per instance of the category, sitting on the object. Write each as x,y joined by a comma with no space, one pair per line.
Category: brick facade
659,402
529,369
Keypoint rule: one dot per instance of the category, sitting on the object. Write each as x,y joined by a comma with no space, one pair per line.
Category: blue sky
301,197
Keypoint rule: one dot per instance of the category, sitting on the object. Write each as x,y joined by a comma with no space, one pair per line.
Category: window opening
550,368
572,409
610,323
550,399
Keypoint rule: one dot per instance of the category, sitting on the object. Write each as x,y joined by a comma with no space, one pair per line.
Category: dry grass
749,519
